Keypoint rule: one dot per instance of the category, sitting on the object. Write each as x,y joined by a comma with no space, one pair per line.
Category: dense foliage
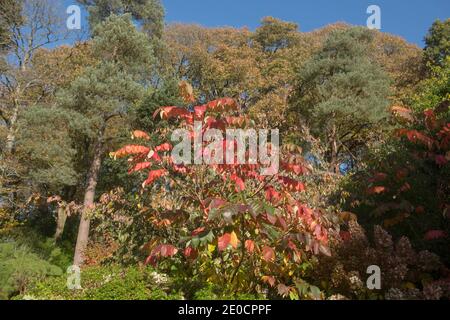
89,177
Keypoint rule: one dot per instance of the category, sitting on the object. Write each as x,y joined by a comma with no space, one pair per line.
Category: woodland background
86,176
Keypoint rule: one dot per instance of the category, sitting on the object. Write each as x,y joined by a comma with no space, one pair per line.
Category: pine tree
104,94
437,43
341,92
148,13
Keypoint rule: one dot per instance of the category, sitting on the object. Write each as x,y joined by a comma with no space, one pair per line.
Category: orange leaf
140,135
268,253
250,246
403,113
129,150
376,190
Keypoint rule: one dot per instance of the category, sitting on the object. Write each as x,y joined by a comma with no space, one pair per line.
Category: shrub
107,283
59,254
404,272
226,223
19,266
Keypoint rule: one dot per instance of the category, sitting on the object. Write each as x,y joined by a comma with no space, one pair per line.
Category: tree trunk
334,150
11,137
89,195
60,222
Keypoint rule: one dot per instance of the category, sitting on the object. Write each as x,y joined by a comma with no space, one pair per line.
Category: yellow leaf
234,240
211,248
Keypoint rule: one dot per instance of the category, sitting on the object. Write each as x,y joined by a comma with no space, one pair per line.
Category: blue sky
407,18
410,19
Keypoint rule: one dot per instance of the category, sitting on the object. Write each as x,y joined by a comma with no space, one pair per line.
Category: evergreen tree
437,43
103,96
341,92
149,13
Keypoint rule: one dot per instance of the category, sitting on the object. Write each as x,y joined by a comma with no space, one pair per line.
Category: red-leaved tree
227,223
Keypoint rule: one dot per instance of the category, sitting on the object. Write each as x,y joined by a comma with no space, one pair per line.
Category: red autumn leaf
416,136
154,175
292,246
140,166
291,184
435,234
151,259
222,105
296,168
240,185
162,250
249,246
197,231
190,253
272,195
224,241
268,253
199,111
164,147
282,223
430,119
168,250
140,135
171,112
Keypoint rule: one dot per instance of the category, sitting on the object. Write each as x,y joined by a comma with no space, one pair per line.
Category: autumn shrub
226,224
405,273
405,185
